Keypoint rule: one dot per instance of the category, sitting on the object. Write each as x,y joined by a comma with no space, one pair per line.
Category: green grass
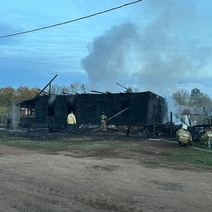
55,145
194,156
155,153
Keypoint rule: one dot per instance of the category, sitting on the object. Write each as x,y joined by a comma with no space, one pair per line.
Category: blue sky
155,45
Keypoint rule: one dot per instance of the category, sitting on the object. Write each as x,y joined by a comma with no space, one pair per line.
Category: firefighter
184,136
103,121
71,121
206,138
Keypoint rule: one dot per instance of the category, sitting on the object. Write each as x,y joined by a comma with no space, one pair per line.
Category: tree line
193,99
9,95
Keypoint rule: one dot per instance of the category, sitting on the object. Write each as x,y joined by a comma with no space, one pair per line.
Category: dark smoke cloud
159,55
106,62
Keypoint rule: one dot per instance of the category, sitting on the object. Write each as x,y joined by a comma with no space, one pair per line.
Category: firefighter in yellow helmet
184,136
103,121
206,138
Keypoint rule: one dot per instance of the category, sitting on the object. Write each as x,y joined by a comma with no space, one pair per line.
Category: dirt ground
36,181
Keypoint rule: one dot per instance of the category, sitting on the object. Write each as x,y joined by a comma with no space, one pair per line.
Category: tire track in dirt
28,192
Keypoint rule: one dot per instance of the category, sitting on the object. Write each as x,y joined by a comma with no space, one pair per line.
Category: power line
70,21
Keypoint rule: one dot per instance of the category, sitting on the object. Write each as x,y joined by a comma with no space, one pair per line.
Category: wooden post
154,121
128,130
171,125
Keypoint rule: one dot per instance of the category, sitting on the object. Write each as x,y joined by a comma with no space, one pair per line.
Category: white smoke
52,99
160,56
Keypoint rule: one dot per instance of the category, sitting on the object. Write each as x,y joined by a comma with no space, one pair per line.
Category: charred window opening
50,110
51,103
69,108
90,111
101,106
27,112
125,104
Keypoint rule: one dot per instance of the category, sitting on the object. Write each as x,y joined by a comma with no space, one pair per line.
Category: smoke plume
160,55
107,62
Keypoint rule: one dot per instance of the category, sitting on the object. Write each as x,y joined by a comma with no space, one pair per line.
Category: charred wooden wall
142,105
53,109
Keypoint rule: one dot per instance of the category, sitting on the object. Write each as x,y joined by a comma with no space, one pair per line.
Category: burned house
142,108
192,116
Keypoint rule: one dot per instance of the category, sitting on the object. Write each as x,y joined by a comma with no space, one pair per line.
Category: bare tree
181,97
195,99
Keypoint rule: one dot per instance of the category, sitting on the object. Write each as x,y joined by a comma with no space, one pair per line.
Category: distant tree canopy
181,97
71,89
195,98
24,93
8,95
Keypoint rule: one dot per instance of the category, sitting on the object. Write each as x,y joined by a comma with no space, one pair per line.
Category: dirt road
35,181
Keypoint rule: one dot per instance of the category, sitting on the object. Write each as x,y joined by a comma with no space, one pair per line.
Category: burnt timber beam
46,86
97,92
